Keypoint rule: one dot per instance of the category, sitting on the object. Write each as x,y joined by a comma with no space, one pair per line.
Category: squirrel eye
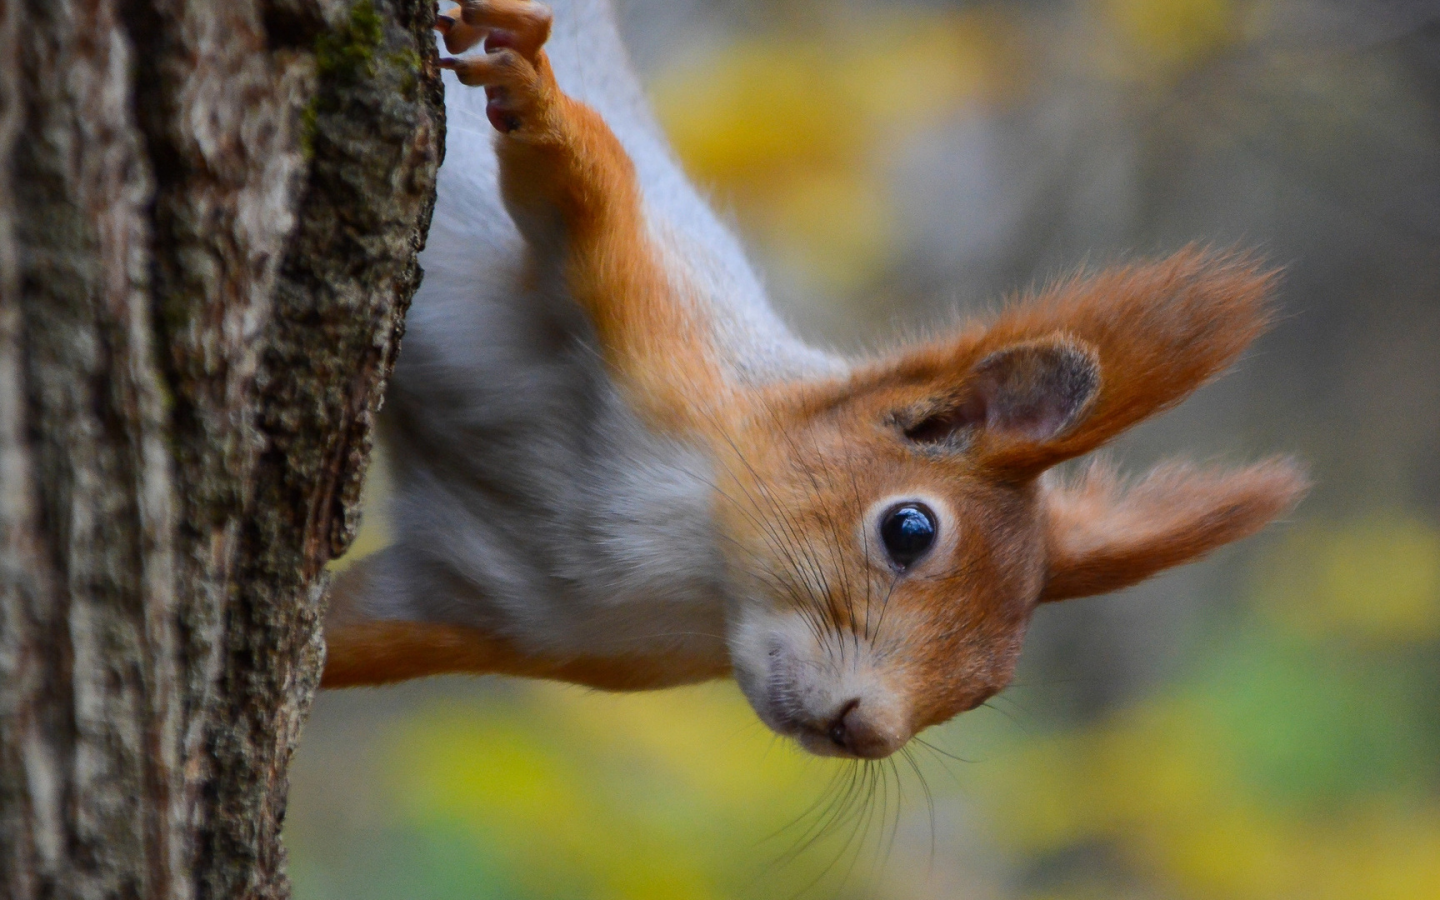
908,531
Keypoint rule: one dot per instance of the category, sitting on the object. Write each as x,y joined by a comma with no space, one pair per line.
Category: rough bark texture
209,214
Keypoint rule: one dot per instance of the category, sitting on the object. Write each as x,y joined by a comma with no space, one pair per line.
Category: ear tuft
1103,535
1160,330
1058,374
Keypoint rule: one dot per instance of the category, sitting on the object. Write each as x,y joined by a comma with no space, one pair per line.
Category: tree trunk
209,215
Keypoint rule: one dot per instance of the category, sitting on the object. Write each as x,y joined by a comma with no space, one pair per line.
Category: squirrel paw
513,71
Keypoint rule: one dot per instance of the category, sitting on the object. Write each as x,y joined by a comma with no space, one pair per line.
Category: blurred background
1263,725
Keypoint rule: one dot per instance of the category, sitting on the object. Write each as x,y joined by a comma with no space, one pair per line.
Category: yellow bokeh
1157,782
836,225
1167,37
639,796
796,133
1375,579
537,807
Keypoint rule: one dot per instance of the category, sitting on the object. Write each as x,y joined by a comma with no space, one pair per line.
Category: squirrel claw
458,34
527,22
513,69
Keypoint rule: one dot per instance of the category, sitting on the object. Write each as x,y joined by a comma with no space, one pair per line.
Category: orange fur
968,423
655,343
363,651
376,652
562,167
800,481
1103,536
1159,329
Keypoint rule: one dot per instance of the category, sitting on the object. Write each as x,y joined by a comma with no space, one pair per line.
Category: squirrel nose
856,733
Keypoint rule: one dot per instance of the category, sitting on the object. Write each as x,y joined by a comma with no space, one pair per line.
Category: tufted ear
1103,535
1057,375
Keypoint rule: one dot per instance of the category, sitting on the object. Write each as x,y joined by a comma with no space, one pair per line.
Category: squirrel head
889,534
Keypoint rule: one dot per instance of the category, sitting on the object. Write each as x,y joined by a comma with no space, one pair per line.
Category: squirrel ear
1102,535
1057,375
1028,392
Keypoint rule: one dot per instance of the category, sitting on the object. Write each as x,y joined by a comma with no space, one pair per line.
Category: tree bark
209,215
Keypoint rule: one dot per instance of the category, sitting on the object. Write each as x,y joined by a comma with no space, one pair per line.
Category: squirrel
615,466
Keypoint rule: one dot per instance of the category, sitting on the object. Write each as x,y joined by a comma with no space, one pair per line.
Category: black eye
908,531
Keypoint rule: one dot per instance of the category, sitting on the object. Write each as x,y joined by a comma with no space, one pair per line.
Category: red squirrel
616,467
